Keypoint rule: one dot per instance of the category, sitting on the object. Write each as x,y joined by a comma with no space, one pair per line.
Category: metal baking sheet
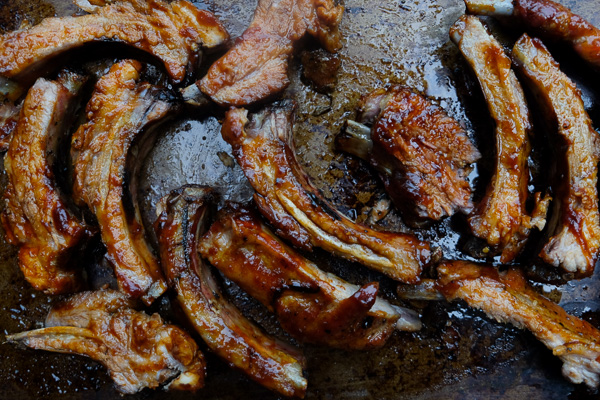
459,354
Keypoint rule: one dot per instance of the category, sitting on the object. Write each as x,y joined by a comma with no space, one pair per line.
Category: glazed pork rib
547,19
312,305
139,351
421,153
508,298
36,216
263,147
256,66
575,237
172,32
501,218
225,330
120,109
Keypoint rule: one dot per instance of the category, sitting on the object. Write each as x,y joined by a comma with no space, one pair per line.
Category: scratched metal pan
459,354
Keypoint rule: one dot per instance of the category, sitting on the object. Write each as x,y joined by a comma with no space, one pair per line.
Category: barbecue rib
172,32
312,305
507,297
575,240
256,67
547,19
118,112
36,216
139,351
263,147
225,330
421,153
501,218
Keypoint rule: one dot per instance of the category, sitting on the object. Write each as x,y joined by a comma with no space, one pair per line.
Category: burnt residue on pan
459,354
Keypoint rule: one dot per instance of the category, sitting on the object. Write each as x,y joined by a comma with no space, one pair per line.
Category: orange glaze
501,217
264,150
507,297
311,305
422,154
575,240
170,32
120,109
256,67
36,217
556,22
233,337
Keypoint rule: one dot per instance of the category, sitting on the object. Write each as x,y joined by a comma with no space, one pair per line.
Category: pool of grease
459,354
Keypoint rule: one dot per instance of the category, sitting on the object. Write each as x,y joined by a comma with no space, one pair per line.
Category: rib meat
36,216
139,351
172,32
547,19
421,153
225,330
118,112
263,147
506,297
575,240
501,217
256,66
312,305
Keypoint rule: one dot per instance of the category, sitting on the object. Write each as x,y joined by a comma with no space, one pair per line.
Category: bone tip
16,337
457,30
494,8
409,320
193,96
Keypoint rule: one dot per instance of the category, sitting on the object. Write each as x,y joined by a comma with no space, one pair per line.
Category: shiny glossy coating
459,354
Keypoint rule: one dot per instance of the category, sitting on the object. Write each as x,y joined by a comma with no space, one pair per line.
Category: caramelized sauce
459,354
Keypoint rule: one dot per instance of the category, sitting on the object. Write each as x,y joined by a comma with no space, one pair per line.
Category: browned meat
172,32
264,149
225,330
501,218
118,112
256,66
549,20
508,298
36,217
422,154
312,305
575,233
139,351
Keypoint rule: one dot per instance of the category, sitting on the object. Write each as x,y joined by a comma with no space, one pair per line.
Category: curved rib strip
501,218
575,240
171,32
263,147
224,329
118,112
36,217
